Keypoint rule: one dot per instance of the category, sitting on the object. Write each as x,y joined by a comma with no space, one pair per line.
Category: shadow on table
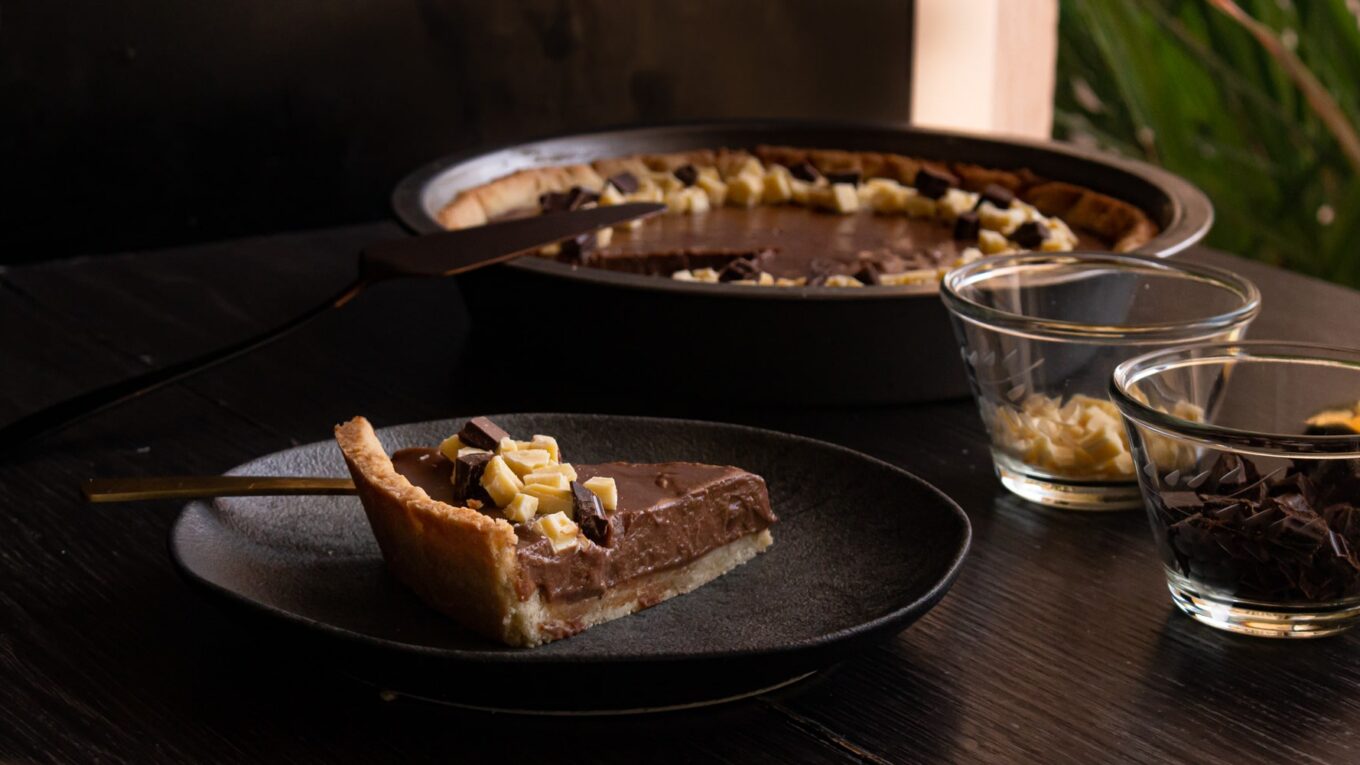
1279,695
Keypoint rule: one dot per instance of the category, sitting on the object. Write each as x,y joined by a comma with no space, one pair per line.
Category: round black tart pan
779,346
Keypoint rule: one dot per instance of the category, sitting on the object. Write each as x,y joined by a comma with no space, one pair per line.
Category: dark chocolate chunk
851,177
625,182
804,171
467,476
574,250
481,433
998,195
1030,234
742,268
687,174
931,183
967,226
869,271
566,201
590,516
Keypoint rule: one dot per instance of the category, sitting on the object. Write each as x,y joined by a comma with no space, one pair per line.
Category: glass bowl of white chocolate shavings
1040,335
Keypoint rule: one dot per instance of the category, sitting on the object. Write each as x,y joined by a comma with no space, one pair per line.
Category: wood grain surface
1058,643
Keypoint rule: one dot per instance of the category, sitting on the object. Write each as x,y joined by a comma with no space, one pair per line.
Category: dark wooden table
1057,644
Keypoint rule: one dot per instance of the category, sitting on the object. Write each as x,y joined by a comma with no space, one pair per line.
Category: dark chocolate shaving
997,195
467,476
931,183
481,433
804,171
851,177
687,174
625,182
1289,536
967,226
869,272
1030,234
590,516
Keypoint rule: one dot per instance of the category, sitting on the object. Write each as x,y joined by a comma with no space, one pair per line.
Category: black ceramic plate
861,551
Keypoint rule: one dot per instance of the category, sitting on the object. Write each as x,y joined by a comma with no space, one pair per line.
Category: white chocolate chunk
606,489
500,481
992,243
564,468
884,195
603,237
705,275
449,448
841,280
917,276
550,500
713,186
745,190
508,444
838,197
611,196
800,192
1081,438
785,281
560,530
553,480
684,275
548,444
522,508
698,200
751,166
954,203
778,186
526,461
918,206
994,218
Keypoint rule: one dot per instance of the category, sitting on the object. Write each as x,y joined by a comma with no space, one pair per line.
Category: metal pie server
445,253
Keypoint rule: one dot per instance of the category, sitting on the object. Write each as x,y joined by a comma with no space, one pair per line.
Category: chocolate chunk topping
966,226
687,174
931,183
747,267
868,273
998,195
574,250
625,182
590,516
851,177
481,433
1029,235
467,476
804,171
566,201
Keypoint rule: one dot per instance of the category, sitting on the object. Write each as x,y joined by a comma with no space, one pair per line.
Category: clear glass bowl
1040,334
1249,461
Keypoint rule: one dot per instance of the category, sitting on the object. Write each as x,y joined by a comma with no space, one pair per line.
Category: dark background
135,125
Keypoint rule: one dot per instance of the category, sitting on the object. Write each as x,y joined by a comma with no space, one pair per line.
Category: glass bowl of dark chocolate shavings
1254,501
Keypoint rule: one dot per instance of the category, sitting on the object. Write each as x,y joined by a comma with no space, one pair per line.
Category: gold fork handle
187,487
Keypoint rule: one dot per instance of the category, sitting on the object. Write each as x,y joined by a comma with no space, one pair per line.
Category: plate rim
496,654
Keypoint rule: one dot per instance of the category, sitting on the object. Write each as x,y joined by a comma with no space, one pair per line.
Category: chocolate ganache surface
669,513
798,241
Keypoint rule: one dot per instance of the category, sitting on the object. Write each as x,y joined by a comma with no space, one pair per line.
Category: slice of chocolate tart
512,542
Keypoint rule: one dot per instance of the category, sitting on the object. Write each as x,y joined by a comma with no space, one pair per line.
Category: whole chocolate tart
794,217
516,544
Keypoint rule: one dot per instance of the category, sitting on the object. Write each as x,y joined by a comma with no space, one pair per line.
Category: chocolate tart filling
669,514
